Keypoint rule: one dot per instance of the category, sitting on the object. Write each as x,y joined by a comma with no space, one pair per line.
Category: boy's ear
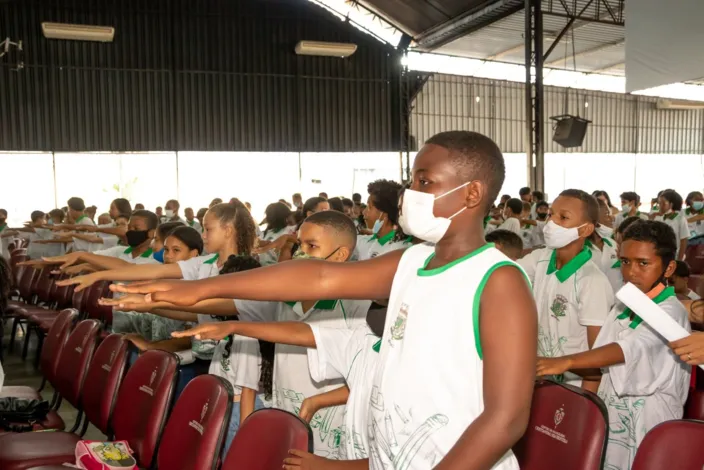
342,255
670,269
586,231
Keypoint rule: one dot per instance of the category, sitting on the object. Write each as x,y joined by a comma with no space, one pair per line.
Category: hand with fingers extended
300,460
76,269
65,260
690,349
173,292
552,366
33,263
214,331
130,303
81,282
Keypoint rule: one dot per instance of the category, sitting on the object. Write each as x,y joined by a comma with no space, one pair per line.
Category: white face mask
418,218
557,237
604,231
169,213
377,226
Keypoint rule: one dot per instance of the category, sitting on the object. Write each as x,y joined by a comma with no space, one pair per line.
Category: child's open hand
129,303
173,292
552,366
300,460
81,282
215,331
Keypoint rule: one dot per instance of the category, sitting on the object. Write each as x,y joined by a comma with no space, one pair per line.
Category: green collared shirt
635,319
385,239
570,267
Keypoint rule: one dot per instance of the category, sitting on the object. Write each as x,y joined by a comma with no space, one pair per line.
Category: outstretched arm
509,373
585,364
125,272
293,281
286,332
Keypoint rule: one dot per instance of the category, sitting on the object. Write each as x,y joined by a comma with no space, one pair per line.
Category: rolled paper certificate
651,313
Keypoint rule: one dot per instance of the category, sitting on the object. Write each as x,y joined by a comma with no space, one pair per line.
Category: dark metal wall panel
620,123
207,75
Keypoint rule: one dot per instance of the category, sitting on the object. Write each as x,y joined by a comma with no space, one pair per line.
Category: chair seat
20,391
34,449
45,325
28,311
50,467
40,317
52,422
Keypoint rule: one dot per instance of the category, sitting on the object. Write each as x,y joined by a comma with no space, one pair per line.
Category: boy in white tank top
450,391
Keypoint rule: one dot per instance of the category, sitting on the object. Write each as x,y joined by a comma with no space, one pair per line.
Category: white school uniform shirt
568,300
488,228
650,387
82,245
371,246
292,383
194,269
242,367
608,261
695,228
109,240
4,243
351,355
125,254
693,295
678,222
622,216
195,224
272,256
511,224
428,386
528,235
538,237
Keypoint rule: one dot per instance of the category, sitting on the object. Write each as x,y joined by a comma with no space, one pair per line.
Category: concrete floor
19,372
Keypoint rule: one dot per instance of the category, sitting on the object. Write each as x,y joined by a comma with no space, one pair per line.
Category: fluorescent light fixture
78,32
326,49
678,104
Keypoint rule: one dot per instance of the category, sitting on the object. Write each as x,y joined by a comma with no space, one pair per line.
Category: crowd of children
385,323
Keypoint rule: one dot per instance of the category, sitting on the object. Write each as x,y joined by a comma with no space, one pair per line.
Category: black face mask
136,237
542,216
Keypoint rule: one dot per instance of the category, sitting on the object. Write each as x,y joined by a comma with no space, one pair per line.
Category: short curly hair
385,195
661,235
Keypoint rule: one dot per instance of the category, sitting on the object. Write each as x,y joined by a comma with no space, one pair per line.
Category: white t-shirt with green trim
292,382
272,256
82,245
195,225
608,261
351,355
511,224
568,300
194,269
678,222
428,387
649,388
125,254
371,246
620,217
695,228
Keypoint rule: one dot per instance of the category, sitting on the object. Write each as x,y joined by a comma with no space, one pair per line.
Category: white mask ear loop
452,191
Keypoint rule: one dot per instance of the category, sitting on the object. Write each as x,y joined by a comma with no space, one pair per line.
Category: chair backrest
75,358
672,444
54,343
40,279
194,434
567,429
78,300
694,253
143,402
694,408
93,309
264,439
25,283
103,380
45,286
63,296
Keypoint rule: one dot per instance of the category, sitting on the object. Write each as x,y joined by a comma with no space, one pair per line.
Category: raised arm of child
299,280
585,364
123,271
312,405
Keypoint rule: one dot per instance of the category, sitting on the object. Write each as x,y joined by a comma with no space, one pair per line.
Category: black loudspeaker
569,130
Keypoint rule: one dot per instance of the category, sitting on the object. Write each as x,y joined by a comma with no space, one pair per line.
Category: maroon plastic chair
568,429
264,439
694,254
93,309
694,408
195,433
672,445
51,353
138,417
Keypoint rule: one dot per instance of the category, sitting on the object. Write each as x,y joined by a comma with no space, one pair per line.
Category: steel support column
535,119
